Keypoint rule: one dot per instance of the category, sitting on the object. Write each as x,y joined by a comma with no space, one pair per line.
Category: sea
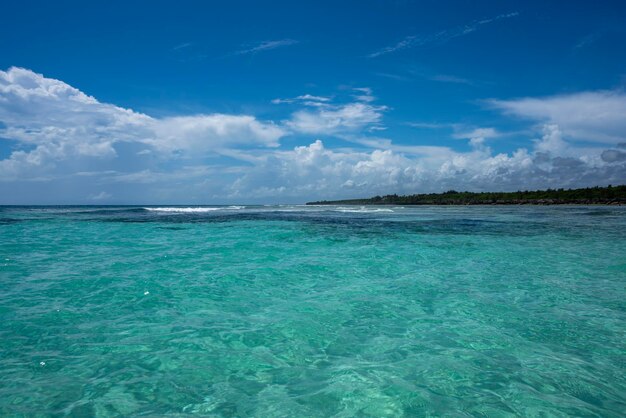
313,311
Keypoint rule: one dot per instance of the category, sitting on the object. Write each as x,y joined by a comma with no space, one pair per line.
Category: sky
263,102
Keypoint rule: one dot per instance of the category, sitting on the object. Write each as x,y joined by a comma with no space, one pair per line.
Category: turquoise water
297,311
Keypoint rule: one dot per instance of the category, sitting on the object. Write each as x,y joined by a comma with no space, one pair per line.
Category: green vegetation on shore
587,196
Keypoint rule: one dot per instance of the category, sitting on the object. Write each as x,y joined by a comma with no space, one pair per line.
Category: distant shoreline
611,195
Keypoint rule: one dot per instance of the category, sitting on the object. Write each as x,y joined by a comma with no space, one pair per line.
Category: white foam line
362,209
192,210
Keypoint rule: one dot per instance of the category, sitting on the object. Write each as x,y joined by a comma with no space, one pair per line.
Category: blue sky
277,102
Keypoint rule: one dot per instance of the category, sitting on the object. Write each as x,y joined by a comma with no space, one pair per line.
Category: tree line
586,196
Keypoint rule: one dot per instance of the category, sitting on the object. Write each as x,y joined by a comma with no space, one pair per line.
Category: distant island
611,195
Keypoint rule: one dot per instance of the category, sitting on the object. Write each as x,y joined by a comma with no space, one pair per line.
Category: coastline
610,195
340,202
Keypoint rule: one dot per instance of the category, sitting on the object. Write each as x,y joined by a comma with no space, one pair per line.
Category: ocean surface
293,311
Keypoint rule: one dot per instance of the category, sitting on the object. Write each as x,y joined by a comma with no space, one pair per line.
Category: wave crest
169,209
362,209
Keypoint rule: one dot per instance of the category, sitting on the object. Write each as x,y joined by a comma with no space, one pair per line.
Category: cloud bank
68,147
315,170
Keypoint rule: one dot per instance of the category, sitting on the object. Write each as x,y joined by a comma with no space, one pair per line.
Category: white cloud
440,37
477,136
313,98
51,115
317,172
364,94
411,150
552,141
314,170
58,122
266,46
405,43
598,116
306,99
39,160
91,149
351,116
340,118
209,132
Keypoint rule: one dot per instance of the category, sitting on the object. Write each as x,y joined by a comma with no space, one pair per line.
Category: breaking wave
169,209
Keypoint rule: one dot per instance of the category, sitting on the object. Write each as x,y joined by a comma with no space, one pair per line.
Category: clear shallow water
313,311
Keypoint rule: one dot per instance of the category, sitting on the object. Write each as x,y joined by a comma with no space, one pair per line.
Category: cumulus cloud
551,141
314,170
54,121
321,173
598,116
59,119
